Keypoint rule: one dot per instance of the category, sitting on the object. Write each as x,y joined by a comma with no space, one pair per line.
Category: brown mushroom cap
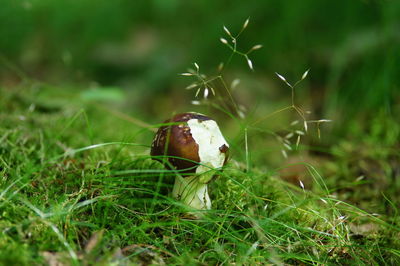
180,142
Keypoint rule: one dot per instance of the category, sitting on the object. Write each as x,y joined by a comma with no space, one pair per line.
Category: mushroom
193,144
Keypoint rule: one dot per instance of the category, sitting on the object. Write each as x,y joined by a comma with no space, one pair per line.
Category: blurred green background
128,54
352,48
78,72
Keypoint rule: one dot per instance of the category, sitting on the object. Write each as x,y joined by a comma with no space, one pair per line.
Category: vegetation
79,106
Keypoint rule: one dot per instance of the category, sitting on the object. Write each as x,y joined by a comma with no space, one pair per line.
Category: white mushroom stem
191,191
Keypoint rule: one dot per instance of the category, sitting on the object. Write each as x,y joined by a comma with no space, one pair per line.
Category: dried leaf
55,258
93,241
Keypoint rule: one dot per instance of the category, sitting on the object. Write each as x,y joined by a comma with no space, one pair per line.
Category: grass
78,186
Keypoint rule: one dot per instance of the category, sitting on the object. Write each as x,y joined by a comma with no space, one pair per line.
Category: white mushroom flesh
209,138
